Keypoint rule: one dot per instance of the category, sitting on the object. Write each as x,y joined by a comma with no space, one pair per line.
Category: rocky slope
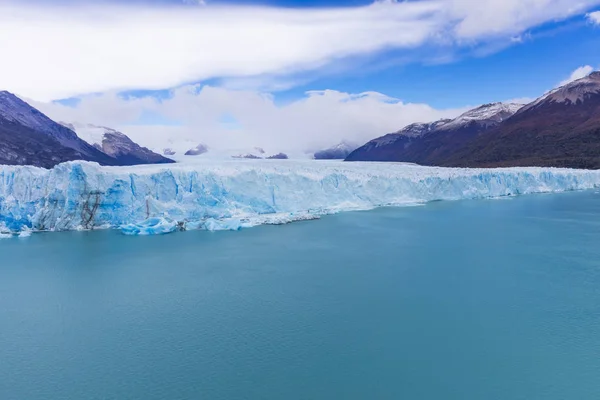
117,145
428,143
29,137
20,145
198,150
387,147
337,152
560,129
278,156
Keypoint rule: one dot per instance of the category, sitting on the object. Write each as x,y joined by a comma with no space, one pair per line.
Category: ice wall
234,194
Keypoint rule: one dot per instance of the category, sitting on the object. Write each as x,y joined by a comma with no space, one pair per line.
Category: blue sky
525,69
256,66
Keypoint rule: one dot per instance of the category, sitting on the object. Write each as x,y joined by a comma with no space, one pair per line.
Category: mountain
386,148
560,129
428,143
338,152
27,136
117,145
196,151
248,156
278,156
20,145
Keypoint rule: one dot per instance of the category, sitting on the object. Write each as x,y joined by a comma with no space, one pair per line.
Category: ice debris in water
5,233
230,195
151,226
25,233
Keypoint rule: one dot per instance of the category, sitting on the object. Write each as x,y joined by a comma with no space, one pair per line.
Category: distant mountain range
250,156
28,137
561,129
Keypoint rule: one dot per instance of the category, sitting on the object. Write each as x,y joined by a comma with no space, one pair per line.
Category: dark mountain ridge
29,137
560,129
30,132
426,143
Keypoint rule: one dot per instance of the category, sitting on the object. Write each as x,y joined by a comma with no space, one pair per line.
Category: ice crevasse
229,195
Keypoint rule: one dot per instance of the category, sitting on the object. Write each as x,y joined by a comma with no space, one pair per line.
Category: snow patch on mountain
411,131
116,144
92,134
487,115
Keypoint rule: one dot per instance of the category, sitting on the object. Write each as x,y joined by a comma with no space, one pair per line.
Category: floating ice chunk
282,218
25,233
151,226
5,233
212,224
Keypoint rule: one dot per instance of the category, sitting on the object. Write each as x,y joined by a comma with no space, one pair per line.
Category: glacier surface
229,195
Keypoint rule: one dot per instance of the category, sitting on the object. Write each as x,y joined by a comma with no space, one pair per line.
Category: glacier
230,195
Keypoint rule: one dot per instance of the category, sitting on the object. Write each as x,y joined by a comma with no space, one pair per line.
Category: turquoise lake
485,299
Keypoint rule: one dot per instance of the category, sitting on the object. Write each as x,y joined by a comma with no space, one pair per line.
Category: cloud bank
234,119
62,51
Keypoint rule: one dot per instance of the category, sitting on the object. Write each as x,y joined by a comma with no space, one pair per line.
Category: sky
286,74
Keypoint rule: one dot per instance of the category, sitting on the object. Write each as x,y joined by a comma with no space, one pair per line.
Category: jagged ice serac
232,195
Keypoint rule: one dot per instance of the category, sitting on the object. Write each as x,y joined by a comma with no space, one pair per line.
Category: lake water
494,299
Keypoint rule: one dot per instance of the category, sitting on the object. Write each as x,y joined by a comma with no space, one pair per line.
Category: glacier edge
234,194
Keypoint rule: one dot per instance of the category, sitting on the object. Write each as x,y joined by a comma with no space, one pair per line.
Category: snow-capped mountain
572,93
406,135
560,129
337,152
27,136
420,129
424,143
117,145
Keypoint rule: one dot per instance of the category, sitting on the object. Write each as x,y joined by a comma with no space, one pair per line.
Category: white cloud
491,18
594,17
116,48
57,52
320,118
579,73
